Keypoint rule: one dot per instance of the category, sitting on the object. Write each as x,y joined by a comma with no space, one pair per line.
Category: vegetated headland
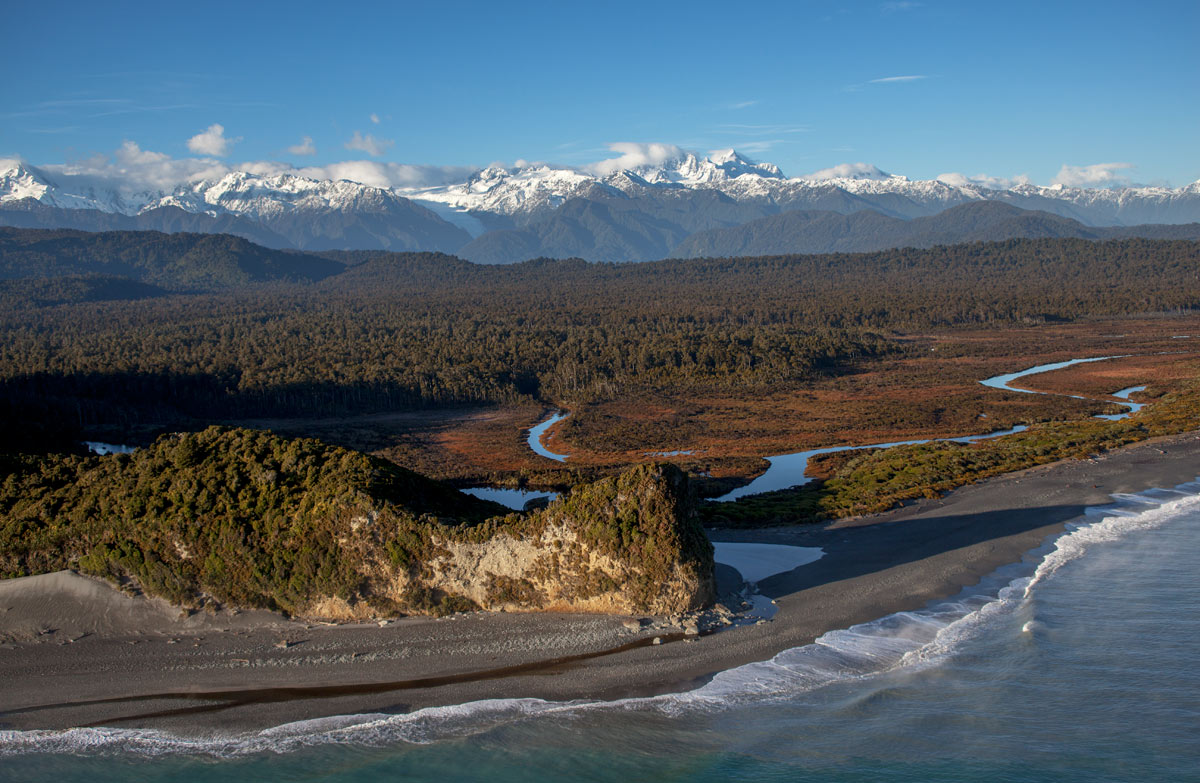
304,420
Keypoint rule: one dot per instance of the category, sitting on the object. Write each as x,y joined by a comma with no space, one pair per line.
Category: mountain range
723,204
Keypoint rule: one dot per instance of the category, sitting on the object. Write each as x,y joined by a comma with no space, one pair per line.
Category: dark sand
75,652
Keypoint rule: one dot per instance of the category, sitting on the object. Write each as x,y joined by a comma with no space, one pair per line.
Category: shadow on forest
42,412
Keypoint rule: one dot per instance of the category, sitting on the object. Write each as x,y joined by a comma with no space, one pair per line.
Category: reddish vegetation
932,391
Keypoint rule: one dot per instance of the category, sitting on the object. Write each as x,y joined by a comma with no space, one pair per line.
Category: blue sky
916,88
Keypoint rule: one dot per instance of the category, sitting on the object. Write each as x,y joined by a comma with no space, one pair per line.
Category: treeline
408,330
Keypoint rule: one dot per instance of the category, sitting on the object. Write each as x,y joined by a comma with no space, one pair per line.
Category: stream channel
788,470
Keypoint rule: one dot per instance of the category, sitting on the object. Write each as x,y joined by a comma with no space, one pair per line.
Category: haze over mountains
724,204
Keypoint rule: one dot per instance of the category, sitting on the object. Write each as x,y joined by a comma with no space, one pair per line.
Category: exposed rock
624,545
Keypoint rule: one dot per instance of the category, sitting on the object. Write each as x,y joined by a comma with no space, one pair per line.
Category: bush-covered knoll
244,518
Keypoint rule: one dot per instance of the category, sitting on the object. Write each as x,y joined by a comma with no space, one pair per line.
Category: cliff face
625,545
248,519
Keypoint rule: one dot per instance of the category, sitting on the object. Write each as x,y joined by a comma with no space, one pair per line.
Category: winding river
536,433
785,470
788,470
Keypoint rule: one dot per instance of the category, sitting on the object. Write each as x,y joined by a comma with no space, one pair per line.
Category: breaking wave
902,640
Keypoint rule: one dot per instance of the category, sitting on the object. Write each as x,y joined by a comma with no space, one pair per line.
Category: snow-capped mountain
519,195
21,181
525,195
303,212
659,203
266,198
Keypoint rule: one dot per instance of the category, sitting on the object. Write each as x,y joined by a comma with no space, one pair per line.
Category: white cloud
897,79
374,118
743,104
212,141
369,144
633,155
305,147
130,154
131,170
1095,175
388,175
848,171
901,5
983,180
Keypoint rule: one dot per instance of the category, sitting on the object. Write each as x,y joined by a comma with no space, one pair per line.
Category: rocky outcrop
630,544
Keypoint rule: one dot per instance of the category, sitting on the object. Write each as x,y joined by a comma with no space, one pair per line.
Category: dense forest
391,331
244,518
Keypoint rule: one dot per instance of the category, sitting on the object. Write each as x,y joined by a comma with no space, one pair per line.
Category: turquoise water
1080,668
535,437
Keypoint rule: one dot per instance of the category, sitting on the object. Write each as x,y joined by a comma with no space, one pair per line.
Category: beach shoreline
74,652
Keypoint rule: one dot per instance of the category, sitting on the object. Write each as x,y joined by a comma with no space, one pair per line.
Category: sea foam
909,639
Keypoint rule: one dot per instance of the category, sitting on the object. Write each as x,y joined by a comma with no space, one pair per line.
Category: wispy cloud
146,109
305,147
64,129
1095,175
212,141
73,102
761,130
901,5
743,104
374,118
897,79
760,146
369,144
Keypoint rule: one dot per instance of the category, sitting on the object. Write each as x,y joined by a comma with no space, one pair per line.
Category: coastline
873,566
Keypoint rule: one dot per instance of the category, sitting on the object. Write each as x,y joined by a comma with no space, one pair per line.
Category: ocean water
1080,663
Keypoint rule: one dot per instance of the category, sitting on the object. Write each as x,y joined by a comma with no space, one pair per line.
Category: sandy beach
76,652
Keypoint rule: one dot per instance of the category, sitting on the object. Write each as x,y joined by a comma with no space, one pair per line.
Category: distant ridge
134,264
830,232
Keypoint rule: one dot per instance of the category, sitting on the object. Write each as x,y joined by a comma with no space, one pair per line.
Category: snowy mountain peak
735,164
18,181
691,170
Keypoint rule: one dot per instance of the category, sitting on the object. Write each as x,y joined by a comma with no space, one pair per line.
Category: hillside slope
244,518
869,231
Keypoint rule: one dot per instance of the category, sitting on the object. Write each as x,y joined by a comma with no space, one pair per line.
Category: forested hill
244,518
173,262
398,331
868,231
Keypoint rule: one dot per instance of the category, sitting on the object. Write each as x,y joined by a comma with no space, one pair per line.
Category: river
786,471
